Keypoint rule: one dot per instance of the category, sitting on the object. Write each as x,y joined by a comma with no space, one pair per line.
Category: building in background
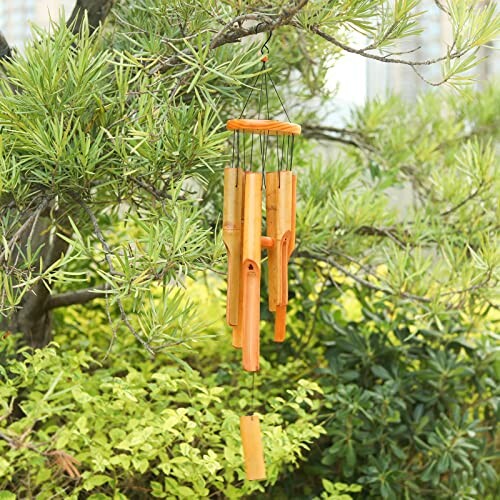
16,16
383,78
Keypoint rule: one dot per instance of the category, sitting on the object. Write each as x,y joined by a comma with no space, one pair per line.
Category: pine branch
234,31
441,7
332,262
78,296
485,282
335,134
112,270
471,196
28,223
387,58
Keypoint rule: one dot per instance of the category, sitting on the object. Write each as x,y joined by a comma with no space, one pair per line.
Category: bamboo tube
280,323
250,281
251,316
253,451
231,231
283,269
237,339
279,190
271,220
294,212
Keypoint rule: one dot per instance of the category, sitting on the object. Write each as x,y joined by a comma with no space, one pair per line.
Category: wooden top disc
269,127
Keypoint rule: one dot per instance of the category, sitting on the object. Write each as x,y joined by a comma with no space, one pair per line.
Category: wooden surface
250,280
234,183
269,127
253,451
251,316
280,323
294,212
279,208
252,215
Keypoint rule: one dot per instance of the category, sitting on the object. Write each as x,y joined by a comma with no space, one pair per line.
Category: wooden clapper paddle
244,181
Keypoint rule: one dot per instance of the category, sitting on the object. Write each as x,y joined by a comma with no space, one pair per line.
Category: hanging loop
265,49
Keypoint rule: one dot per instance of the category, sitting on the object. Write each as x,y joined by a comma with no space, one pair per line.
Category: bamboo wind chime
244,181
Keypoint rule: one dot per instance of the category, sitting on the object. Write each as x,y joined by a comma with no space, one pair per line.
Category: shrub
136,428
411,402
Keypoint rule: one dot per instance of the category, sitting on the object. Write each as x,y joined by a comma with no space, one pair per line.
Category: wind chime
244,182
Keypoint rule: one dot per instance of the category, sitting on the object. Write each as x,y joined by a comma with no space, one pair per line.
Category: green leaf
96,480
7,495
381,372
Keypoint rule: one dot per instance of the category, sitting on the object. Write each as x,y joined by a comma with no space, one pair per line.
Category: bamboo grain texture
264,127
253,450
232,237
250,280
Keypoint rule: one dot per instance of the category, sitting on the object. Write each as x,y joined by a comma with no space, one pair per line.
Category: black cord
279,97
252,403
250,94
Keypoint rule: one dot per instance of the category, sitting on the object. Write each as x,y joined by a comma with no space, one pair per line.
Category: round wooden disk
269,127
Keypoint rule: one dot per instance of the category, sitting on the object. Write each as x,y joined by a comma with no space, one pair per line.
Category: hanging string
238,148
267,97
232,157
279,97
249,95
287,153
263,141
251,152
252,401
285,160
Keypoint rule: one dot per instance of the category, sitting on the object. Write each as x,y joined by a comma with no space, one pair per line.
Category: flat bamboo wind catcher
269,168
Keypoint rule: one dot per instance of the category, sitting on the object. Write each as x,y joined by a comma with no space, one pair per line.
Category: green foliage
112,146
418,194
125,129
51,115
411,405
136,427
411,409
338,491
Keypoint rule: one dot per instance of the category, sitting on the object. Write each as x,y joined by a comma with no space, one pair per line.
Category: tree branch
335,134
63,460
30,222
235,30
96,11
362,281
78,296
100,237
5,51
368,284
387,58
471,196
441,7
112,270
